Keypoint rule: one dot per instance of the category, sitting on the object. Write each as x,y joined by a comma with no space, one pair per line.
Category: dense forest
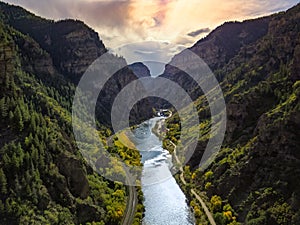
255,177
43,177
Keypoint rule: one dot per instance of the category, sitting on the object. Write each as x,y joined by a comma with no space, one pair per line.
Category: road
206,210
132,195
131,203
203,205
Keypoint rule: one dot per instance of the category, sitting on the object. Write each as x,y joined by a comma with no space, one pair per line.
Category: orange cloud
121,22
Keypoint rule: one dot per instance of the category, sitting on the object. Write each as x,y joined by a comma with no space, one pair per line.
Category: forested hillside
67,47
255,177
43,177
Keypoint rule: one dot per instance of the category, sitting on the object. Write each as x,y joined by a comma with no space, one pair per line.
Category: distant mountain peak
140,69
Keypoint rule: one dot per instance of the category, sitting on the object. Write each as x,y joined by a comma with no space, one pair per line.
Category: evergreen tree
3,108
3,182
18,119
11,116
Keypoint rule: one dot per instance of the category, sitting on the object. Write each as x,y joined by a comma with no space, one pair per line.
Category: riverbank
193,192
125,140
159,129
165,203
181,181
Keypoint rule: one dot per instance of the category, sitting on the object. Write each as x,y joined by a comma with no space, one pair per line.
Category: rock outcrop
140,70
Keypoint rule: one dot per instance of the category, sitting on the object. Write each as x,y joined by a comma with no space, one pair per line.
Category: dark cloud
105,13
95,13
149,53
54,9
183,40
198,32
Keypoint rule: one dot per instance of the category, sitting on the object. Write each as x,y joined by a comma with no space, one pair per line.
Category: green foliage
208,185
36,136
216,203
3,183
208,175
256,169
220,218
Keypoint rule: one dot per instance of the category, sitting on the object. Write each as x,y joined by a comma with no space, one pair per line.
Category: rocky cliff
71,44
66,49
216,50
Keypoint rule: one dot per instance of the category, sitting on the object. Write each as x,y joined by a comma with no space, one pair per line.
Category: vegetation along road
131,205
205,208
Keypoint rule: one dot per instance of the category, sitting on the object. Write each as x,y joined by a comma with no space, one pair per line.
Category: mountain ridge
43,176
253,179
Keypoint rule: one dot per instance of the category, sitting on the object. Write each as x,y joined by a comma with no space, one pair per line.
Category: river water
165,203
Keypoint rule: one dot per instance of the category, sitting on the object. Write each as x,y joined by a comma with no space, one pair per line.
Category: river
164,201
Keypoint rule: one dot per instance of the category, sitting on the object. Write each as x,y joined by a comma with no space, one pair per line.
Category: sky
153,30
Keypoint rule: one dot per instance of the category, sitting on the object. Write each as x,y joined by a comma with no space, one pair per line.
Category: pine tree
6,160
11,116
3,182
32,125
28,140
1,207
20,153
18,187
15,162
18,118
27,160
3,108
7,81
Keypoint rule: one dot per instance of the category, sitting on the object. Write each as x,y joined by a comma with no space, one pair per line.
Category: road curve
203,205
206,210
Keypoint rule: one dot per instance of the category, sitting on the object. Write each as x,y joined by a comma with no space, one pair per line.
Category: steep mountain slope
217,49
68,47
43,177
255,177
71,44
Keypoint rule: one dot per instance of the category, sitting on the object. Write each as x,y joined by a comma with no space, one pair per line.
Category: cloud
173,24
142,20
183,40
198,32
153,54
104,13
147,52
95,13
